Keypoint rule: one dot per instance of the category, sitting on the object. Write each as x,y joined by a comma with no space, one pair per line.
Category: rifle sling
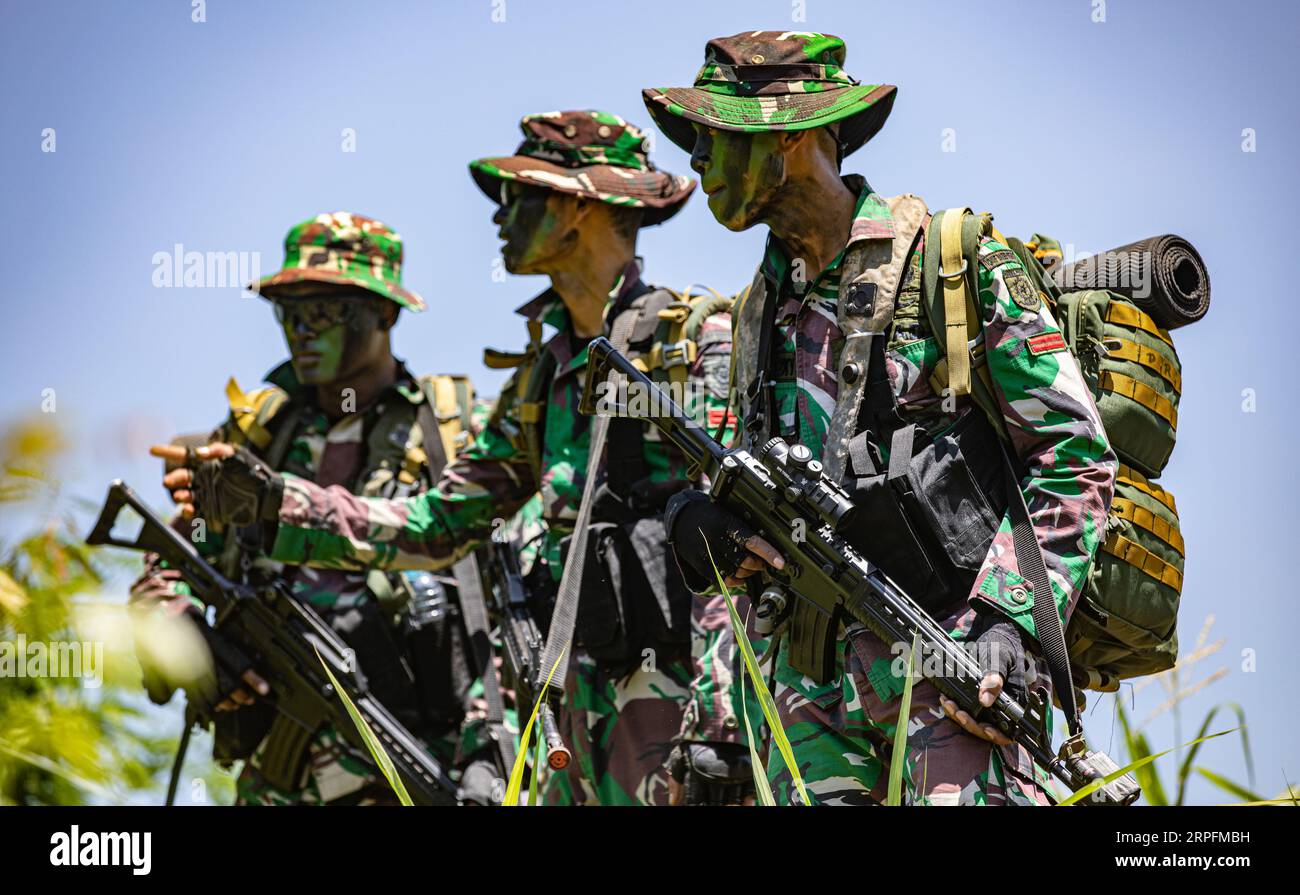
559,638
1047,621
473,610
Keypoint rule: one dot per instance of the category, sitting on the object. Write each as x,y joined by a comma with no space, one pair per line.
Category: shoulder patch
1022,289
997,258
1046,343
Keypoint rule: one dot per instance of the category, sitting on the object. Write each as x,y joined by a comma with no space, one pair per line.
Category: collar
871,220
548,308
283,378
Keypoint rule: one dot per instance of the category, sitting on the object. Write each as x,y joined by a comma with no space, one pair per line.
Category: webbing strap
1136,555
953,273
559,638
426,418
1132,477
1145,519
469,588
1047,620
1128,387
1135,318
1166,369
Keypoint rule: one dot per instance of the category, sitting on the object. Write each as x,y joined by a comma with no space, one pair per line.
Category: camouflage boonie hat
347,250
587,153
773,80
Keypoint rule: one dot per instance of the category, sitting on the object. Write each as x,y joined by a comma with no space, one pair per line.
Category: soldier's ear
388,315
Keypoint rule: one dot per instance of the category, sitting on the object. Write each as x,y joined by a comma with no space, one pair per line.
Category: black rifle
522,644
285,641
784,494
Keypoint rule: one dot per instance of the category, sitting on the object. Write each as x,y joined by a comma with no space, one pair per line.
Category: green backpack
1125,624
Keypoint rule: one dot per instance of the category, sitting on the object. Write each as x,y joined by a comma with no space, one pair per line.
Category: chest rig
631,598
930,502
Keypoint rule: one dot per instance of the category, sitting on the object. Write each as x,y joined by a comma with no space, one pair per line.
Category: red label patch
716,416
1046,343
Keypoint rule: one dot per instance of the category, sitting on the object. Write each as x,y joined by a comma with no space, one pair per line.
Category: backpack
1125,624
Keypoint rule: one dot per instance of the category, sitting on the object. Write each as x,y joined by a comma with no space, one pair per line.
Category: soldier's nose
700,152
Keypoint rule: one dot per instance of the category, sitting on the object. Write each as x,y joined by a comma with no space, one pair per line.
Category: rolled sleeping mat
1162,275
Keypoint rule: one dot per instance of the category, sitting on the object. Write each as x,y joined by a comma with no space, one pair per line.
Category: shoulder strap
559,637
1047,620
871,274
430,434
957,325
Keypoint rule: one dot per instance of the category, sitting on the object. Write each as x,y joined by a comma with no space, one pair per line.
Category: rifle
265,628
786,496
522,644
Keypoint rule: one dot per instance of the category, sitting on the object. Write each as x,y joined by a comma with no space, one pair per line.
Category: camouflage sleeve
1056,432
332,528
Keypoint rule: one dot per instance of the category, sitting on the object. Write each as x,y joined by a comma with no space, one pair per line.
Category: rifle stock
785,495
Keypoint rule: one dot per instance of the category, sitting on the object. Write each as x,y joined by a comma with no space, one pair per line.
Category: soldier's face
331,333
538,227
741,173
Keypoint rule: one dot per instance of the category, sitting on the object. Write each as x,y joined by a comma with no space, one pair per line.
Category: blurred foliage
64,740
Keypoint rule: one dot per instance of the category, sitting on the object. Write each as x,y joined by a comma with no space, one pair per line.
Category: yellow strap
955,299
245,408
1131,476
530,412
448,411
502,360
1153,360
1135,318
1144,394
1145,519
1138,556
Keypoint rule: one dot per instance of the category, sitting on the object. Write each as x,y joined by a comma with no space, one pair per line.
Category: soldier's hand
241,696
231,484
1001,654
698,527
181,461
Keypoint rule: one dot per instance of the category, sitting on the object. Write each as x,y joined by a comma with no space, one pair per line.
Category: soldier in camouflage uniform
572,198
343,412
768,121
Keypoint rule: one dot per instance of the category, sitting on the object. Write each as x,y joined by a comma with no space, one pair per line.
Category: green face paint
740,173
327,339
317,357
533,222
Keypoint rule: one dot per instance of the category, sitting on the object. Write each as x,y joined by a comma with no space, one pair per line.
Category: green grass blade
762,788
1228,786
765,700
898,757
532,779
1153,790
511,799
1092,787
375,747
1185,770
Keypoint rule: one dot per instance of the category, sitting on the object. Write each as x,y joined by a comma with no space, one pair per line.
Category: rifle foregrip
557,754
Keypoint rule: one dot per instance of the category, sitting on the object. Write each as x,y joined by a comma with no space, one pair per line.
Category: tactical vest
931,499
407,443
632,598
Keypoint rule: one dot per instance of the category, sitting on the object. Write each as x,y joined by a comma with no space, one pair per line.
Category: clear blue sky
220,135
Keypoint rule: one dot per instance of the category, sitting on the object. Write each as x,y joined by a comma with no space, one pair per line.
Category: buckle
676,354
